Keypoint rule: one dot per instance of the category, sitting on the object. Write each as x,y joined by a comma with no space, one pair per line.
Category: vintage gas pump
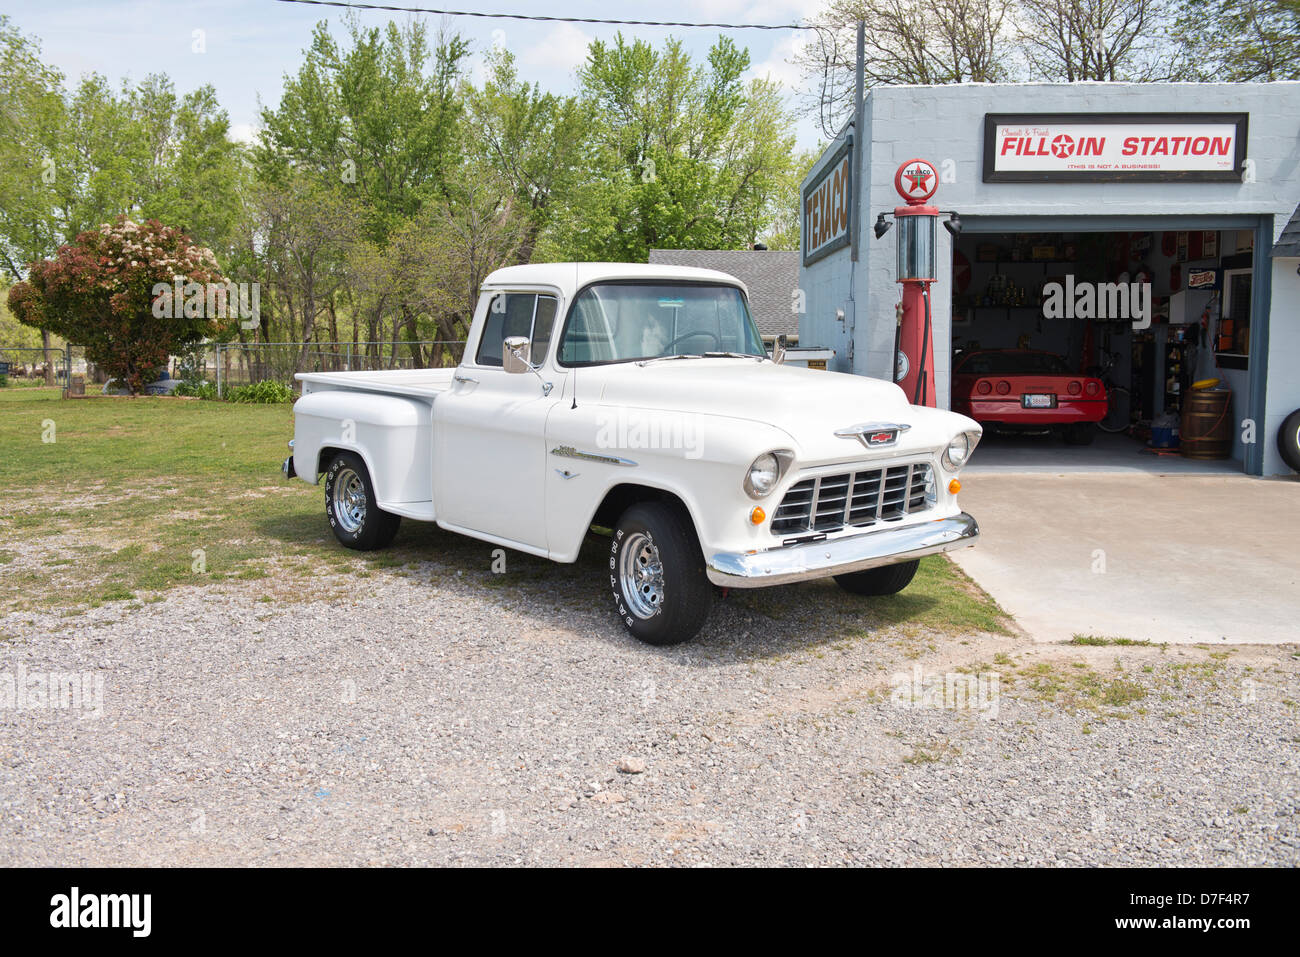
916,181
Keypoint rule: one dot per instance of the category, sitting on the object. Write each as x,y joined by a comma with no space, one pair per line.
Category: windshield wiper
678,355
733,355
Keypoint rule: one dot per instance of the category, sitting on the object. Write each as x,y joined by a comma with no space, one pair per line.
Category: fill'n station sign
828,207
1090,147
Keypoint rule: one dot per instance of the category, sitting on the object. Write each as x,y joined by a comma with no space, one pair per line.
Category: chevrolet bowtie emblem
874,435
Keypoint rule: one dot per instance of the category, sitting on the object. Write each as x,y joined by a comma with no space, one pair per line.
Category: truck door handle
464,378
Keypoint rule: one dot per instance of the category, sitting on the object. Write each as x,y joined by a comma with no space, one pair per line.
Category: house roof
1288,244
769,275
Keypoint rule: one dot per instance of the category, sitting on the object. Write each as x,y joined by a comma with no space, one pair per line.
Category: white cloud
243,133
560,52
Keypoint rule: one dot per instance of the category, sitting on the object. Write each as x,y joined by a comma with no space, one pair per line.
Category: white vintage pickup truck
640,399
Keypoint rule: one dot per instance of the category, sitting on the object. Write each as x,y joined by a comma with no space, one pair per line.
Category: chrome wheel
349,500
641,575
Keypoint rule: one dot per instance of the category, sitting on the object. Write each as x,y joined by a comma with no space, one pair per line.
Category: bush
199,390
132,294
266,392
4,380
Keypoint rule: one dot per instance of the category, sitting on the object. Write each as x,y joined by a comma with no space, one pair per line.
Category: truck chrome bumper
839,556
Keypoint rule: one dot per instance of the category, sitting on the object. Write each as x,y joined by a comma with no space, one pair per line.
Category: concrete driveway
1173,558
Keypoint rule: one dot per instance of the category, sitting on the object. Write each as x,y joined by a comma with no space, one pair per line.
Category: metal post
855,183
218,355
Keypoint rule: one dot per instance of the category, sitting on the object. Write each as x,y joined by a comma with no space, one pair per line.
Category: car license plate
1038,401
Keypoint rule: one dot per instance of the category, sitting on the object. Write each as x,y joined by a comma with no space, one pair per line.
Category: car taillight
983,388
1093,387
1075,388
1004,387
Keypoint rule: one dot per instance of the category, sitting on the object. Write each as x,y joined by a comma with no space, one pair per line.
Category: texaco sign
828,207
1079,147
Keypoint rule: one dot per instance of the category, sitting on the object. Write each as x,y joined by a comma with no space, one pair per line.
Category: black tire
670,607
1079,433
1119,404
886,580
371,527
1288,440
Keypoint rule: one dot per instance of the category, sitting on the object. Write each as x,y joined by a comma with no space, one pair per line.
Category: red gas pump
916,181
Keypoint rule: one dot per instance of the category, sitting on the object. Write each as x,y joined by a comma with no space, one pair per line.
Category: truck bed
420,383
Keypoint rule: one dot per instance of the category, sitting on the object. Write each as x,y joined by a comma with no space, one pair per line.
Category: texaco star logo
916,180
1063,146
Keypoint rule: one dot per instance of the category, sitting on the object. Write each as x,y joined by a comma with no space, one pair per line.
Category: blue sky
251,44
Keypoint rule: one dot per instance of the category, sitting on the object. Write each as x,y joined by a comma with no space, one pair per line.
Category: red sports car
1028,389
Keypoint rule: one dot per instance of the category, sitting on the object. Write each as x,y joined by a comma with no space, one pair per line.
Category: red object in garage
1023,387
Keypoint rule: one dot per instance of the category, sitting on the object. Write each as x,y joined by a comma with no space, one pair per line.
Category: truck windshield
627,322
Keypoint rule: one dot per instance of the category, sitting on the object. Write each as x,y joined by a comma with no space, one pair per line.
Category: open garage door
1096,347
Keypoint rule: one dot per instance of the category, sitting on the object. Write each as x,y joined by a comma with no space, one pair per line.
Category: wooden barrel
1206,431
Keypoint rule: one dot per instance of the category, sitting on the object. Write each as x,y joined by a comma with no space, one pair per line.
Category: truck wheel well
622,497
326,456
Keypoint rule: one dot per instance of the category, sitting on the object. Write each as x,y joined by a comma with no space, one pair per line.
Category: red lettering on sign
1220,145
1130,146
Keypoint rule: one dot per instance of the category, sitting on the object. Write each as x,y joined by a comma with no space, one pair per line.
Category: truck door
490,430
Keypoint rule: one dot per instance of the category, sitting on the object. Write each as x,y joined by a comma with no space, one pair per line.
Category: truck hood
807,404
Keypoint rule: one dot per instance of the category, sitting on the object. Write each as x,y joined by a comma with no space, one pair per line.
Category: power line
526,16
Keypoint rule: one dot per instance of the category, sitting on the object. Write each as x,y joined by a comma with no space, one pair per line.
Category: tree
380,116
681,156
112,290
1264,45
306,231
1074,40
906,41
31,116
537,142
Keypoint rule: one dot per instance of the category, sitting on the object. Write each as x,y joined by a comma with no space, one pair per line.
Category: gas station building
1192,188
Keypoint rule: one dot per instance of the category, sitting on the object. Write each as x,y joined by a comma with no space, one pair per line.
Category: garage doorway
1078,347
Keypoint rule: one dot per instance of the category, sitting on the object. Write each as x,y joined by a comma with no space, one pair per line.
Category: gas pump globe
916,181
916,235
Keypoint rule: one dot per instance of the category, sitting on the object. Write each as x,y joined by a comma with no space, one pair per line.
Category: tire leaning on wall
1288,440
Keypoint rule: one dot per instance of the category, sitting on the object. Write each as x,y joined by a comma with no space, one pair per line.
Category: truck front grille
856,499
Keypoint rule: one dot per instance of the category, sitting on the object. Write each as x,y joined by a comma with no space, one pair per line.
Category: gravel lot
420,716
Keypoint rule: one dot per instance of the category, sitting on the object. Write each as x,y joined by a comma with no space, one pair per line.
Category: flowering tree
111,290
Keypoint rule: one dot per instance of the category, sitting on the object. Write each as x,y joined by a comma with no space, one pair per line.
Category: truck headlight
766,471
957,454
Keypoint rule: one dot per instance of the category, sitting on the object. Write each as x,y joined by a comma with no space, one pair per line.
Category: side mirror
514,357
778,350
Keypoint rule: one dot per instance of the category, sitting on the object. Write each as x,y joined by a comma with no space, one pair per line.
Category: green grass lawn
133,497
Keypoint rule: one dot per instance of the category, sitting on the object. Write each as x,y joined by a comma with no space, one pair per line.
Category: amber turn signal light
954,487
757,516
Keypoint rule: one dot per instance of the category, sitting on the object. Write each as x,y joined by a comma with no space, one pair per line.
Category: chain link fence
232,364
22,366
228,365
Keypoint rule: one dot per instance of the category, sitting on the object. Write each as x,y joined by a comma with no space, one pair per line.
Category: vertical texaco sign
1081,147
828,207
